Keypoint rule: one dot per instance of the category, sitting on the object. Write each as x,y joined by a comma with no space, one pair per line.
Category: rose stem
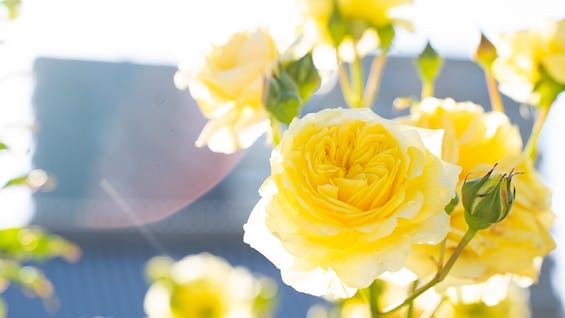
531,146
441,274
373,82
493,93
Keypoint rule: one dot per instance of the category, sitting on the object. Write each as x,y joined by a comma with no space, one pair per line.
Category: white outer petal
317,282
258,236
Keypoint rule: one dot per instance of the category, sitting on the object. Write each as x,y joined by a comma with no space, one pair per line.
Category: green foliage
19,246
13,7
32,244
290,86
304,74
20,180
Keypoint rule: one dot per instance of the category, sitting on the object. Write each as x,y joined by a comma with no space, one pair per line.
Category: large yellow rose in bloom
477,141
349,194
523,54
203,286
228,87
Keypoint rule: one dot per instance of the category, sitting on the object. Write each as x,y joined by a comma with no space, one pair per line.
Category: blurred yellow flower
496,298
522,56
203,286
355,19
471,136
349,194
228,87
477,140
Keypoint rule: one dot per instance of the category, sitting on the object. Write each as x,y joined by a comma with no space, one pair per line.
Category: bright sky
169,30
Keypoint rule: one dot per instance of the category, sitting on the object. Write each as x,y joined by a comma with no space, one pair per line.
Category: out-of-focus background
86,93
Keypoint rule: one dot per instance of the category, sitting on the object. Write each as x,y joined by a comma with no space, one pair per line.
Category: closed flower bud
485,53
429,64
488,199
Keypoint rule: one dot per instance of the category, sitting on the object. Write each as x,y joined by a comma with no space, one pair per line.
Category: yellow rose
471,136
203,286
375,12
228,87
349,193
390,295
371,13
476,141
496,298
522,54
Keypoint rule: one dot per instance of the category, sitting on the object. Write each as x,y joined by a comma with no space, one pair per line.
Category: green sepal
304,74
429,64
282,98
451,205
547,89
338,28
488,200
386,35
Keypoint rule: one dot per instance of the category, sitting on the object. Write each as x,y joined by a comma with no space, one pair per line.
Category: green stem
531,146
374,294
410,311
440,275
275,131
374,79
441,253
427,89
356,98
343,78
494,95
436,310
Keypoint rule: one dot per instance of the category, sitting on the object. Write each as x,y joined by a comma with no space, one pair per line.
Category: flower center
355,164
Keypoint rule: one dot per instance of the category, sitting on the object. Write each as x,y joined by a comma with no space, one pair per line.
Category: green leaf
32,244
30,278
338,28
21,180
3,146
304,74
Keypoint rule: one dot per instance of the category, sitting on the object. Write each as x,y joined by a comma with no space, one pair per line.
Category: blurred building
118,138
